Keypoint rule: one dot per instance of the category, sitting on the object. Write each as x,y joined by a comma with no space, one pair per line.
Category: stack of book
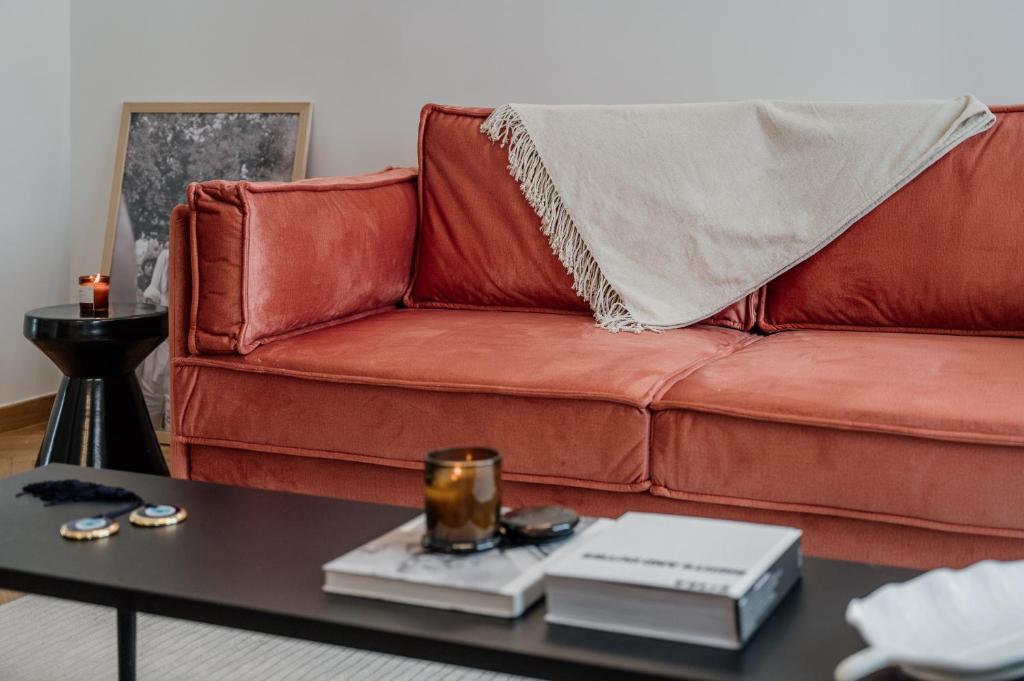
695,580
499,583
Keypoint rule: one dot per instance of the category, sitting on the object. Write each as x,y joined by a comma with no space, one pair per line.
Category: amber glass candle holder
94,294
463,500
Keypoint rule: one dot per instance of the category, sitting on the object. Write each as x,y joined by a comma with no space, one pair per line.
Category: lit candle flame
456,472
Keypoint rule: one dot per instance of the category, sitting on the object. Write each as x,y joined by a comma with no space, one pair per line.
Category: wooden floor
18,450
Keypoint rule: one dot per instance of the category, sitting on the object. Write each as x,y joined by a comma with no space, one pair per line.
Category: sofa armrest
272,259
179,282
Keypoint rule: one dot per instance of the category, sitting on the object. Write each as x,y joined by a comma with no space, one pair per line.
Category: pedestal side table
99,416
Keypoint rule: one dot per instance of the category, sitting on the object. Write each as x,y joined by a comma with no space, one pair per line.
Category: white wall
369,65
34,189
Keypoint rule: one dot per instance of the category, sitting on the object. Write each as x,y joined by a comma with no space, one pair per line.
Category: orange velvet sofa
325,334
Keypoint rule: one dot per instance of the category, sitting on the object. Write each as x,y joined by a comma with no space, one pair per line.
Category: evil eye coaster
158,515
86,529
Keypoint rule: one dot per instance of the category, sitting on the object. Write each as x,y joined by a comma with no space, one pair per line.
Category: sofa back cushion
945,254
271,259
480,244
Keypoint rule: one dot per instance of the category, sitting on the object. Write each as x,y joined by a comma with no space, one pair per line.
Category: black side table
99,417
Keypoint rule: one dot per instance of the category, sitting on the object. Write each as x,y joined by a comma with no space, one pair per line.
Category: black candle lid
539,523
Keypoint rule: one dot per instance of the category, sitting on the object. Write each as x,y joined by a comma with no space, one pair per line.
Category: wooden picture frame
304,110
199,141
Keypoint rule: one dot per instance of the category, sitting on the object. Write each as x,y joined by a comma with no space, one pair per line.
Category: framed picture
161,148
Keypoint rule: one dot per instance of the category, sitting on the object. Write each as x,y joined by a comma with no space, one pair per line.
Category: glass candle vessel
463,500
94,294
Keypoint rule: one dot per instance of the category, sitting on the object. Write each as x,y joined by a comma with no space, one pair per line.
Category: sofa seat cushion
925,430
565,402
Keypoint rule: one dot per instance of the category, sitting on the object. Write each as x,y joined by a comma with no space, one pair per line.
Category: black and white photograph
163,147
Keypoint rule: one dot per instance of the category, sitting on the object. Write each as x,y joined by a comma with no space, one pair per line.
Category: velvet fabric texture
179,309
888,447
273,259
389,387
824,535
480,244
923,430
942,255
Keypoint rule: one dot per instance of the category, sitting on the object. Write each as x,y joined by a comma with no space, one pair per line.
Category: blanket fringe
505,127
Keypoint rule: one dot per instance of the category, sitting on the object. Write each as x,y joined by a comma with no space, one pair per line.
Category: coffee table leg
125,644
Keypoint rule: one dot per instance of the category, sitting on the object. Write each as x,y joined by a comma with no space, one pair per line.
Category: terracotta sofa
327,333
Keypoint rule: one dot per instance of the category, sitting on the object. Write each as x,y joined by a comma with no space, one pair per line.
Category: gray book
695,580
499,583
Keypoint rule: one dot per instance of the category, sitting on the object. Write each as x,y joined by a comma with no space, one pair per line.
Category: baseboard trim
26,413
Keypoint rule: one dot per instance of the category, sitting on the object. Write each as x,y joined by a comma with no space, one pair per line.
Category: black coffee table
99,417
251,560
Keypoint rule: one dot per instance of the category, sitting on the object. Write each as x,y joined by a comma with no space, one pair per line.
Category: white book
696,580
499,583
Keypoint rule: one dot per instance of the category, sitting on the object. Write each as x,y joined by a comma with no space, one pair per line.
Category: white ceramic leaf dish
946,625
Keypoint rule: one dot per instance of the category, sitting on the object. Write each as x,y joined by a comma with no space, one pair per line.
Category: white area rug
56,640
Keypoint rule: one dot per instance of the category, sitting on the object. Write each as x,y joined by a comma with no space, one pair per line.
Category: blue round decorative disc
84,529
90,523
161,511
157,515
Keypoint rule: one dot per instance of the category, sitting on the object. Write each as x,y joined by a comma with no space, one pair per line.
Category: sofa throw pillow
272,259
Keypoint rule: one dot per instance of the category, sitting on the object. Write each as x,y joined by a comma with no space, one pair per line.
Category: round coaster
86,529
159,515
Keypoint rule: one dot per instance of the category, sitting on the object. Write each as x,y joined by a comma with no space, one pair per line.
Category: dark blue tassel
57,492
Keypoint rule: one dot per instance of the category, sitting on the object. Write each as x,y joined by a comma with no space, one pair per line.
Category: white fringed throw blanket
666,214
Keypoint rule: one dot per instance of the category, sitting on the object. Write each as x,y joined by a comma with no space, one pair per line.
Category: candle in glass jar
94,294
463,500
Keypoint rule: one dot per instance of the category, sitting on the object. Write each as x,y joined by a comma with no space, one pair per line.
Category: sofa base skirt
824,536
